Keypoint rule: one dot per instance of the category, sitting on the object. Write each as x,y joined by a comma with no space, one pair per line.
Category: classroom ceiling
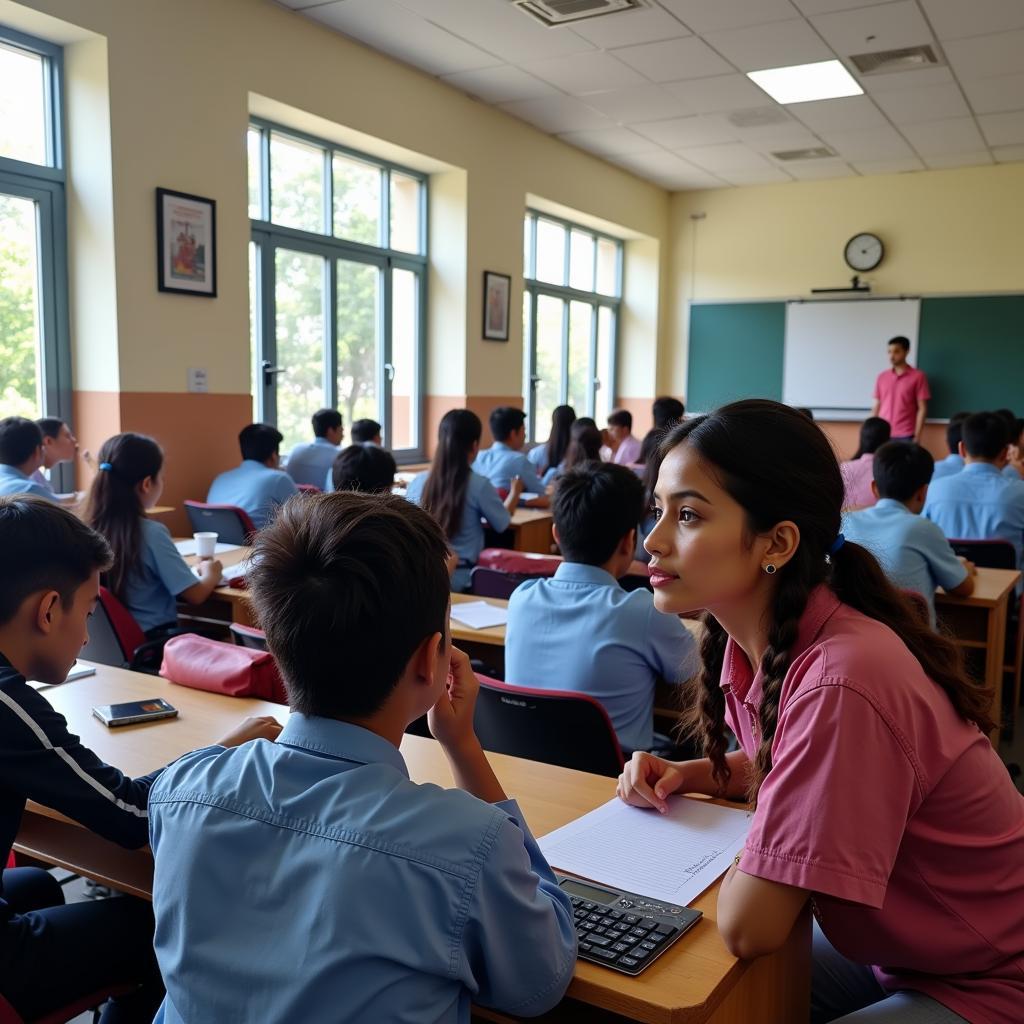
662,91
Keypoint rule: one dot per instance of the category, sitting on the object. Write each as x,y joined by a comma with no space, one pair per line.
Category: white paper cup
206,544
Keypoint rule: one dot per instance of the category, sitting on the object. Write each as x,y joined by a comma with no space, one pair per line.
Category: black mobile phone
134,711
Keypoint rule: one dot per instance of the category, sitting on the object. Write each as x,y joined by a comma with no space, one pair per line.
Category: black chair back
989,554
104,647
221,520
494,582
247,636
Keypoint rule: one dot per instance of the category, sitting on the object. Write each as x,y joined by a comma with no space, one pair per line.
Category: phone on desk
133,711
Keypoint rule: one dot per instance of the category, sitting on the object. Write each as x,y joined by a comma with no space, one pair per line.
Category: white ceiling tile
500,85
889,166
1008,154
937,163
919,78
580,73
677,133
718,93
850,113
939,138
760,176
631,28
911,106
780,142
395,31
674,59
817,170
557,114
870,29
987,56
954,19
731,156
711,15
881,143
995,95
495,26
777,45
668,170
607,141
641,103
1003,129
810,7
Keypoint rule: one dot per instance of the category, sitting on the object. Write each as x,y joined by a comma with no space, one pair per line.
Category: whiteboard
835,350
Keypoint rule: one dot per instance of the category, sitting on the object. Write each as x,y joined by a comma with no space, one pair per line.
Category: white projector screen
836,348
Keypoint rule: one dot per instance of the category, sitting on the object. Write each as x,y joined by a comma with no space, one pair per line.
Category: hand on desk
210,569
647,781
263,727
972,569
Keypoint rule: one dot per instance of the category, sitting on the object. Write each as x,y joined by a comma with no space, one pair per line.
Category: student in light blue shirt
504,460
584,446
1014,468
21,455
310,462
954,461
149,575
257,486
310,879
979,503
459,498
579,630
549,455
912,551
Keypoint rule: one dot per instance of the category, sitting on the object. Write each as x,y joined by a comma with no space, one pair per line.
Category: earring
770,569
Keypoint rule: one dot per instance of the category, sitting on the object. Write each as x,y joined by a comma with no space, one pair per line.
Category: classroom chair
309,488
559,727
116,639
495,582
94,1001
989,554
231,524
526,563
248,636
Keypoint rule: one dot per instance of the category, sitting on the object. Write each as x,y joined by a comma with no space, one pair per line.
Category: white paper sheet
672,857
188,547
479,614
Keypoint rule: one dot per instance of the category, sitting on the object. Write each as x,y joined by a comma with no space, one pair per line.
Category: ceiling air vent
814,153
553,13
758,117
907,59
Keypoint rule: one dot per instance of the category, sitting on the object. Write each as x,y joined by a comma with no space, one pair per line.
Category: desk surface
990,587
685,985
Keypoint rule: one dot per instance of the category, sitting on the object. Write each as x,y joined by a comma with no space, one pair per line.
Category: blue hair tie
837,544
107,467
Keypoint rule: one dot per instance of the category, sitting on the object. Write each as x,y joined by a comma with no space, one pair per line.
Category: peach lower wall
845,436
641,411
435,406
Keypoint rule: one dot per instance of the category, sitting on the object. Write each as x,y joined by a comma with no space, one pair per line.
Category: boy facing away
310,876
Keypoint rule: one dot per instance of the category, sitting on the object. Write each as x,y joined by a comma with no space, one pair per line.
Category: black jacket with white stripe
41,760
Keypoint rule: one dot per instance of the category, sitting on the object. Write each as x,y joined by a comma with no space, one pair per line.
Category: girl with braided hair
863,746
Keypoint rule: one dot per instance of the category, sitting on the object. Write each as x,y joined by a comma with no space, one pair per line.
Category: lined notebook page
672,857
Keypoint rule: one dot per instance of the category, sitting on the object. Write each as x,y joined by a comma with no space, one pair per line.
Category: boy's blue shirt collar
578,572
341,740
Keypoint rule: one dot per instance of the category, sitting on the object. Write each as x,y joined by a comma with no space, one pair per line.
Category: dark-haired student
59,445
258,485
879,798
874,432
954,461
622,447
579,630
666,412
310,461
584,446
504,460
550,454
21,455
457,496
51,954
1014,468
979,503
912,551
310,879
148,574
364,467
366,431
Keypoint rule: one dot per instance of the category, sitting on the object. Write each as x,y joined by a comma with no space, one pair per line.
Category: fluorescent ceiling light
825,80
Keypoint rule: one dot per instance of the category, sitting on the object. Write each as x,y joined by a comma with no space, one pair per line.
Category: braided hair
777,465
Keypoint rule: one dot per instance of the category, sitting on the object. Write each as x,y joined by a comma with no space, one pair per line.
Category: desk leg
996,646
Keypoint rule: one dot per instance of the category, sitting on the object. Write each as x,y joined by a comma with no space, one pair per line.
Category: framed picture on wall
186,243
497,289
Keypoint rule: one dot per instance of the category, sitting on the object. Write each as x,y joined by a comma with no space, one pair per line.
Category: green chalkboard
735,352
973,352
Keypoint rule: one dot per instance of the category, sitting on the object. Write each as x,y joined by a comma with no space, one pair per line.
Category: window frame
269,236
535,288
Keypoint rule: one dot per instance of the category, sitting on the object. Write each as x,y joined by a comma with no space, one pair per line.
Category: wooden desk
532,529
978,623
697,982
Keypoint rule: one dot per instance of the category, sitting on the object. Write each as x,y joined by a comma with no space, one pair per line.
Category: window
35,372
570,312
337,286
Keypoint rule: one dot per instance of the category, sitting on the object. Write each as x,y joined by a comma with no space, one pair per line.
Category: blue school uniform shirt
539,459
254,487
151,590
978,503
311,463
579,630
951,464
912,551
310,880
482,502
1010,472
13,481
499,464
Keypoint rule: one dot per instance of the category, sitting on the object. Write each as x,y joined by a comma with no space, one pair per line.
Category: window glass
253,145
356,200
603,372
404,352
607,267
550,252
23,120
581,261
19,309
550,313
296,184
581,317
358,334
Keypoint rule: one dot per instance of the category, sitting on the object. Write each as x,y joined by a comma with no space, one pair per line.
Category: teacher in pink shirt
901,394
863,745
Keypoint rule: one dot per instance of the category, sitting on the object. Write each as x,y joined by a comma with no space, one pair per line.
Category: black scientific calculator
622,930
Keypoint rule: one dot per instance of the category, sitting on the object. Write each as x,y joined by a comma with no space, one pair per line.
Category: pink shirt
898,395
628,452
892,810
857,477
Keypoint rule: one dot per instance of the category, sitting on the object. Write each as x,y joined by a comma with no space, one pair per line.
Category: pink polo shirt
857,477
898,395
894,812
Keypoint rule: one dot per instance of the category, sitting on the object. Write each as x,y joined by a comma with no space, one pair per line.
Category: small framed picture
186,241
497,289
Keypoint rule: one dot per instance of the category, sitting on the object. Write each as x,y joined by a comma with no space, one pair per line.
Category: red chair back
114,635
309,488
495,583
525,563
231,524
